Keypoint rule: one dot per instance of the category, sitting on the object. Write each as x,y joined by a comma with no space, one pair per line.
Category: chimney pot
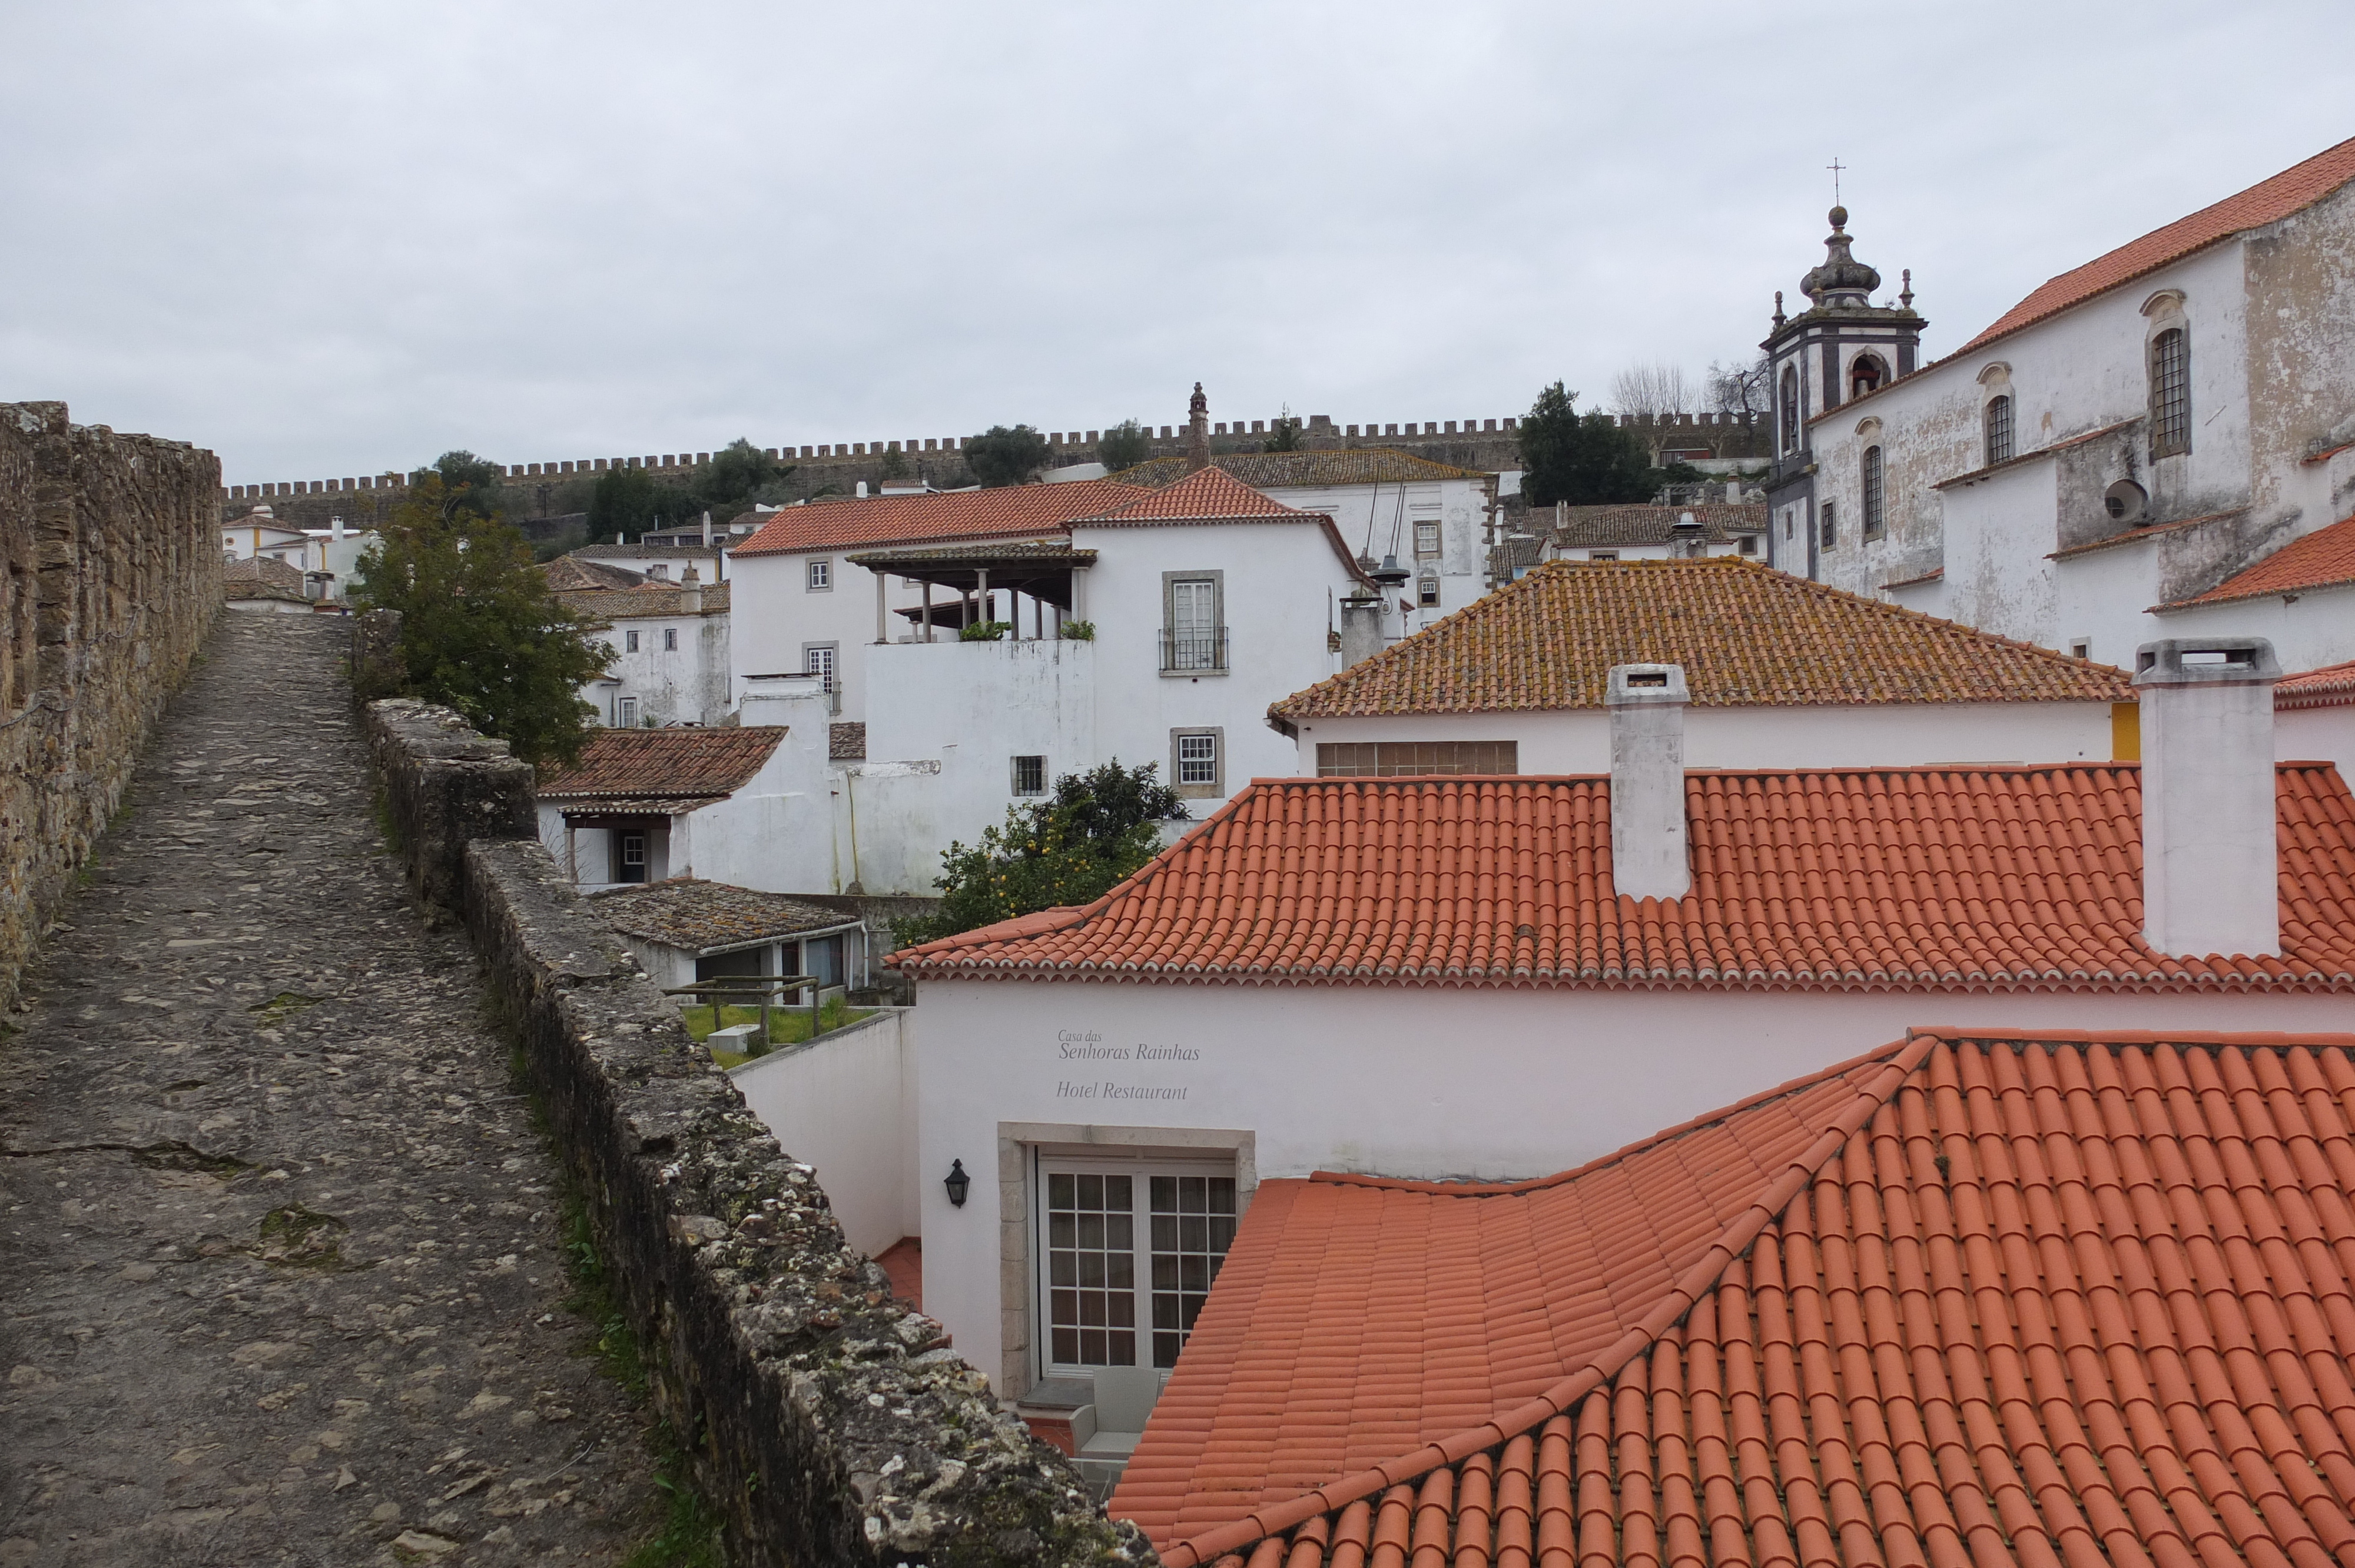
2210,859
1362,629
1648,858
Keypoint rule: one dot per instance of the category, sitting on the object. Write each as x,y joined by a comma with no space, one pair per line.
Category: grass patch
277,1009
787,1025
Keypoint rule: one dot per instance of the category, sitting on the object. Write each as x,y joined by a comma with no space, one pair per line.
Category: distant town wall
110,575
1484,444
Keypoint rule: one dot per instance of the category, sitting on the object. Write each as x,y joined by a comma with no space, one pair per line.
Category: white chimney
706,530
691,592
1647,780
2211,863
338,525
862,490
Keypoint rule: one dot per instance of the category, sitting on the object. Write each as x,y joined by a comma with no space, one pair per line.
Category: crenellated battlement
1077,445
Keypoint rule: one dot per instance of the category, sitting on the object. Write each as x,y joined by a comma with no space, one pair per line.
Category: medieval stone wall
110,576
1488,446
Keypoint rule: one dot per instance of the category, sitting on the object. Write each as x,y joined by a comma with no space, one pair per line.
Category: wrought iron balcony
1195,649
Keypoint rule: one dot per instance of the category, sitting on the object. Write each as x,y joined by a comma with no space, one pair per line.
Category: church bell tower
1840,348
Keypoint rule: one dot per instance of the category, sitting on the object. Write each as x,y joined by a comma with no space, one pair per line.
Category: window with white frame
1427,590
821,575
1193,638
1194,761
1129,1253
818,659
670,639
625,713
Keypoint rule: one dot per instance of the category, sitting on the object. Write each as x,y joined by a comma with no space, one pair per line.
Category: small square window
1197,759
658,573
821,576
1427,592
1602,555
670,639
1029,776
1748,545
629,641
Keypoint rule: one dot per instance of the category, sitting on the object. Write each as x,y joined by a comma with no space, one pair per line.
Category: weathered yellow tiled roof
1746,634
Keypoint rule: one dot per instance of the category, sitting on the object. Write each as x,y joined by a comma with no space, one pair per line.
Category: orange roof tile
1210,495
2331,686
1009,511
2038,1299
1995,877
1746,634
1304,470
652,764
2322,559
2268,201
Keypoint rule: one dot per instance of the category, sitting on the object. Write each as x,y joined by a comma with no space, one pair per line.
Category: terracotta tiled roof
702,917
1357,465
1994,877
845,741
1208,495
644,601
1600,527
2268,201
263,571
1746,634
650,764
2143,533
567,574
2037,1300
1011,511
645,552
2322,559
2331,686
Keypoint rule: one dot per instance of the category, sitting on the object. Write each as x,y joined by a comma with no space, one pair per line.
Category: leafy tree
999,456
461,470
1285,435
630,501
479,629
1096,828
1587,460
738,475
894,464
1125,445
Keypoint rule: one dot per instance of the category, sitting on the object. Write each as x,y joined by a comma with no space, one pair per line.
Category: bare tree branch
1657,390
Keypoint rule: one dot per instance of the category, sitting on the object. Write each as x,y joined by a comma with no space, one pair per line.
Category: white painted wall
2312,629
844,1105
1365,515
1578,740
686,686
2308,735
1423,1081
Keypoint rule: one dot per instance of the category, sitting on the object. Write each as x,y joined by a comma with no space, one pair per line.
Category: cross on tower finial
1836,166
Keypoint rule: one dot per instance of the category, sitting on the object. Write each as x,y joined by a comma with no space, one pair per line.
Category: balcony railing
1196,648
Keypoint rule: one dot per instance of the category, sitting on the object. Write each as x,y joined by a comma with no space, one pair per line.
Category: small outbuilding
685,930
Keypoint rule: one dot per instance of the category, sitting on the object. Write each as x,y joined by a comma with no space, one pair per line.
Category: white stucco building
327,557
1785,674
669,646
2128,436
1500,976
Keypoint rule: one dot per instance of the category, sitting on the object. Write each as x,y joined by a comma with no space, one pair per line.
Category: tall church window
1867,374
1876,519
2170,393
1998,430
1790,410
1830,533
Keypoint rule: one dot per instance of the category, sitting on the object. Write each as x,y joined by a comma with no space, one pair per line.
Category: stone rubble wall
829,1424
109,577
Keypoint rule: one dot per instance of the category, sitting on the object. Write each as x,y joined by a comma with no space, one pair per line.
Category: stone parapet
444,785
109,577
828,1423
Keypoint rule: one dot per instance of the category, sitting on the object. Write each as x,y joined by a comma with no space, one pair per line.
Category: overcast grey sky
331,239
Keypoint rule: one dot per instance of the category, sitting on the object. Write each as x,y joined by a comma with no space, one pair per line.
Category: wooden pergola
1049,573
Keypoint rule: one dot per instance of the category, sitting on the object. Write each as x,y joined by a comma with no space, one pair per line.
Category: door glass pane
1193,1225
1091,1269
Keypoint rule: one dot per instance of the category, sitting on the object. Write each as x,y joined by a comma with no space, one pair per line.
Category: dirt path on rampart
280,1280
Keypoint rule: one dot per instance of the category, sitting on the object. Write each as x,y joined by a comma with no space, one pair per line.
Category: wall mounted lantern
957,1183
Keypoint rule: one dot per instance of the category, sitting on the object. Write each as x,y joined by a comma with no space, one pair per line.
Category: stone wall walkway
279,1278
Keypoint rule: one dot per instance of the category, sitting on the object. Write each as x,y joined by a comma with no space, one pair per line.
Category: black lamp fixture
957,1183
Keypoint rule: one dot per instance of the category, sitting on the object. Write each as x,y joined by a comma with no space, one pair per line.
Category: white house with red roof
1130,624
1495,977
2129,436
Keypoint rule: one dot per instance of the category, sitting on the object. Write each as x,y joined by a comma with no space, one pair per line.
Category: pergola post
882,625
928,609
982,576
